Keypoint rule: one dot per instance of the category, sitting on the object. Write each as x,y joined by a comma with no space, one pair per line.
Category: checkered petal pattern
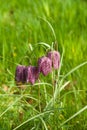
20,75
32,74
44,65
54,56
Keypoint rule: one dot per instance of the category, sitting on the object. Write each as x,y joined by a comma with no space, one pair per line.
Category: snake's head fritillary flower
32,74
20,75
44,65
54,56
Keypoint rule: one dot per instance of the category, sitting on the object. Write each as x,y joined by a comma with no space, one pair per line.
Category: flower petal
54,56
44,65
20,74
32,74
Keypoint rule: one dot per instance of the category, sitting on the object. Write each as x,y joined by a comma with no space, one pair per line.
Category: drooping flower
54,56
32,74
20,75
44,65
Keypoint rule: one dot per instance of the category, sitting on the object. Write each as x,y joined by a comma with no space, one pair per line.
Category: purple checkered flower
20,75
32,74
54,56
44,65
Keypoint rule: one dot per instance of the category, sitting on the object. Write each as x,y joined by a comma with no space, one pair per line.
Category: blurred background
21,28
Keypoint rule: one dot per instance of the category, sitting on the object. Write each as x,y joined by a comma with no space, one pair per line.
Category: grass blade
76,114
63,86
74,69
45,44
10,106
32,118
56,93
50,27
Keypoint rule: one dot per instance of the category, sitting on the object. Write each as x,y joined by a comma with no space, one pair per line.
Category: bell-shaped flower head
20,75
44,65
32,74
54,56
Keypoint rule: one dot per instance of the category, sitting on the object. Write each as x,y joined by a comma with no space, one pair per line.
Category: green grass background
21,28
